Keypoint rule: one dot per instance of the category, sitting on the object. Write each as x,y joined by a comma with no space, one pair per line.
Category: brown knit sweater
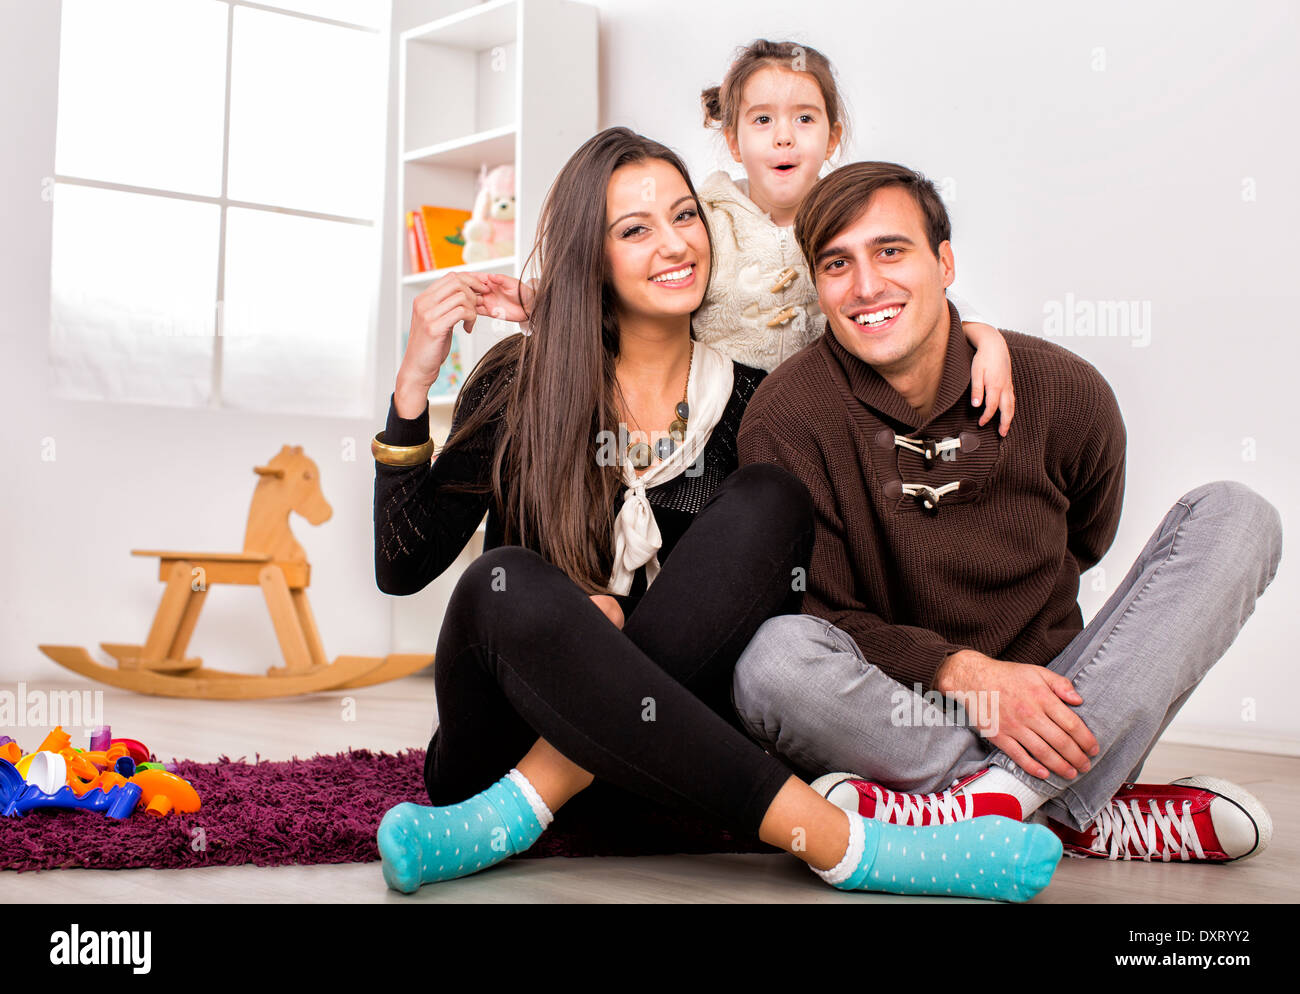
996,567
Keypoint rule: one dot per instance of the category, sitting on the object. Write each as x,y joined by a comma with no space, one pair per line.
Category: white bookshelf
508,81
486,266
466,152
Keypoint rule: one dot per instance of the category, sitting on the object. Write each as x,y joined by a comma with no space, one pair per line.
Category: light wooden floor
399,715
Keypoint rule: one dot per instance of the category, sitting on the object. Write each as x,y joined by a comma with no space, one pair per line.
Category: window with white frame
218,183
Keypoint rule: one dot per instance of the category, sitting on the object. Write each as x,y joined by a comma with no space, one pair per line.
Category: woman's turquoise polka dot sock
992,857
423,845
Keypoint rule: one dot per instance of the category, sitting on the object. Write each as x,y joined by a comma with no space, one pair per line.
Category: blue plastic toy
17,796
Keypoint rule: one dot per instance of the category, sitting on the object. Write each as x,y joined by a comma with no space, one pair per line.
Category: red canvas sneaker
871,800
1195,819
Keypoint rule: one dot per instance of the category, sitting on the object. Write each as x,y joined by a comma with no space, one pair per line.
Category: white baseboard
1219,739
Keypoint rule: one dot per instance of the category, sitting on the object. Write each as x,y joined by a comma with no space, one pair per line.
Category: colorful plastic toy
105,758
17,796
135,749
113,777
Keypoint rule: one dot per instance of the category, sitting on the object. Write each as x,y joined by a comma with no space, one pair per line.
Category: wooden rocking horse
273,560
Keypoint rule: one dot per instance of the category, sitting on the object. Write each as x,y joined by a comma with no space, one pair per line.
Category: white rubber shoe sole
1241,823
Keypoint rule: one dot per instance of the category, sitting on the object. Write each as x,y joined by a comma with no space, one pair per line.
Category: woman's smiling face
655,241
782,137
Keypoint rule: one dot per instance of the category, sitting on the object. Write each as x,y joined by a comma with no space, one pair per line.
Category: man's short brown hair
839,197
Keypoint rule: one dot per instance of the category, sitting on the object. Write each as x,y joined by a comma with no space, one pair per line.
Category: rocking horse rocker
273,560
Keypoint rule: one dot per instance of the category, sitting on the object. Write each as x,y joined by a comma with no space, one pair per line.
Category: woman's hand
435,312
990,374
507,299
609,607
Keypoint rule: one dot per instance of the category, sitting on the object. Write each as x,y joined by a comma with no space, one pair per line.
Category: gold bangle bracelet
401,455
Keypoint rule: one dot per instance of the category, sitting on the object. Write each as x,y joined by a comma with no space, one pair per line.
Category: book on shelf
435,237
417,245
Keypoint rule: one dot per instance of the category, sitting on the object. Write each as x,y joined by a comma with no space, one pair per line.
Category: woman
628,566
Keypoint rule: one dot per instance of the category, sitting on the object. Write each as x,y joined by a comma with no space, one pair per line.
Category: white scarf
636,533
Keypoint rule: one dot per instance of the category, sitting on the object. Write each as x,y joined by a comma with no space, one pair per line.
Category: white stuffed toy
490,232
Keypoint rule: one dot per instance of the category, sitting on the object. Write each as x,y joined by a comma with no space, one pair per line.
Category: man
947,561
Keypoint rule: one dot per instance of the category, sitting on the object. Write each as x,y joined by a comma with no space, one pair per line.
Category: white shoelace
1119,824
943,808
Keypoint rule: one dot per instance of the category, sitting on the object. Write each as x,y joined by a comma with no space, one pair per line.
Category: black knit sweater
421,526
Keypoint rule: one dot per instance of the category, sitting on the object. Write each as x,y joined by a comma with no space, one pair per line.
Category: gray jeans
803,689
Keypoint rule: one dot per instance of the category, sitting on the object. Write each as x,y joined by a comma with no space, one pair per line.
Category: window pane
370,13
133,288
298,313
142,92
307,115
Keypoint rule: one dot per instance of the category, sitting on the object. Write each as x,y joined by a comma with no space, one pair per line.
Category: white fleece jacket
761,307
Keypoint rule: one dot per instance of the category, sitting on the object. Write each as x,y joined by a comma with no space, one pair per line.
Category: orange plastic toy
163,792
56,741
106,758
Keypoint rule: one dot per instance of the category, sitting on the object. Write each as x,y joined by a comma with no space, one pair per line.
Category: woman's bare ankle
555,777
805,824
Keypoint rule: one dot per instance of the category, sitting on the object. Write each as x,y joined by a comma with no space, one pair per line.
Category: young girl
544,680
781,114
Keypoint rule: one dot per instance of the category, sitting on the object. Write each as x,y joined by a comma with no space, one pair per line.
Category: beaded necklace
639,453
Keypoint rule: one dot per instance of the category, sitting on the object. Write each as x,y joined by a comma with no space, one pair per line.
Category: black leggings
525,654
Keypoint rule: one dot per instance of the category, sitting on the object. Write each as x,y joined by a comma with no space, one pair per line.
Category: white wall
136,476
1119,184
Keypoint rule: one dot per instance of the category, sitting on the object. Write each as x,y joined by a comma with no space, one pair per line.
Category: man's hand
1035,726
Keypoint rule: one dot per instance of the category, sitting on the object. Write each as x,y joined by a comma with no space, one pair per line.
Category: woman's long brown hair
557,385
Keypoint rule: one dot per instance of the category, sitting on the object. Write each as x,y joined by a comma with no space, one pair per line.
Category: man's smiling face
881,286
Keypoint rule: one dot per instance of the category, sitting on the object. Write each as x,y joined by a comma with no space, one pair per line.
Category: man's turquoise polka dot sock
992,857
422,845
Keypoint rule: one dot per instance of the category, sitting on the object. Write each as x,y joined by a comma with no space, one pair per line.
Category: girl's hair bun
712,101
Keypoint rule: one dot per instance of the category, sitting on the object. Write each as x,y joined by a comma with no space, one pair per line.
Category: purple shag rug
324,810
